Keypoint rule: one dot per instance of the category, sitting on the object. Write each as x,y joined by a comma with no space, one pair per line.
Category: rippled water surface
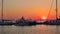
38,29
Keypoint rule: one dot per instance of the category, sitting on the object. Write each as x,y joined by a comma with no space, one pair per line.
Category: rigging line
50,8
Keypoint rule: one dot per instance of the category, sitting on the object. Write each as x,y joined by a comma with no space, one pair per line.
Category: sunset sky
35,9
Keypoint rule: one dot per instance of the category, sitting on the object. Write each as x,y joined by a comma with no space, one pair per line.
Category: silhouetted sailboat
4,21
1,22
20,22
54,22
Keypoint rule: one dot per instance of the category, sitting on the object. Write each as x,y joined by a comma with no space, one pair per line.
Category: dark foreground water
38,29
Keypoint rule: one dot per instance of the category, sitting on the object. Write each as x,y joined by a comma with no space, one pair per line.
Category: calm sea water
38,29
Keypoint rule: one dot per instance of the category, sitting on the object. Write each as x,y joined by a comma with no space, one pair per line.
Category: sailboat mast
2,11
56,10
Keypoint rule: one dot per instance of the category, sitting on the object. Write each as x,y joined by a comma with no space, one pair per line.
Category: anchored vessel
23,22
4,21
54,22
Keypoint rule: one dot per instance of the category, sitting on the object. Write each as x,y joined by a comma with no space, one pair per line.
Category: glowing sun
44,17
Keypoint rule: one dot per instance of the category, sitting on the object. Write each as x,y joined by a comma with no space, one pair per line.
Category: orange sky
34,9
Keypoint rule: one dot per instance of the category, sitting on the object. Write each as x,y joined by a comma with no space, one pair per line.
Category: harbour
29,17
